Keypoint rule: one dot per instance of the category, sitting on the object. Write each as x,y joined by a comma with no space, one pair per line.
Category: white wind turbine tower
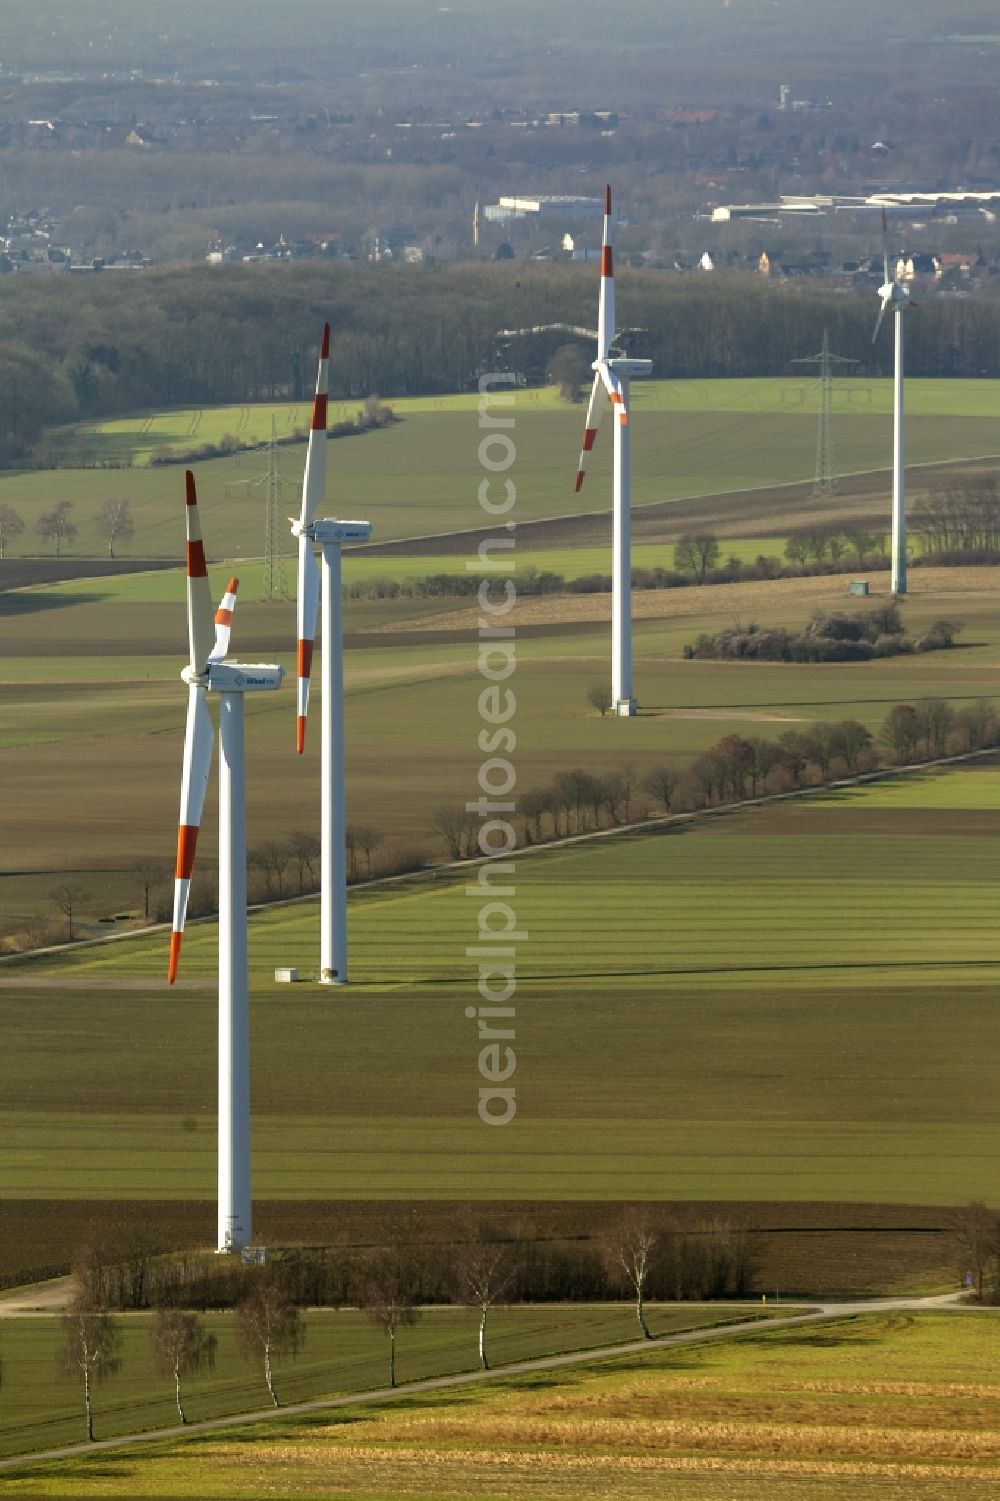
896,296
330,535
206,673
611,379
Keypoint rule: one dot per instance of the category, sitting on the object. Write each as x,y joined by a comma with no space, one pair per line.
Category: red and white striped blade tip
175,955
324,353
224,614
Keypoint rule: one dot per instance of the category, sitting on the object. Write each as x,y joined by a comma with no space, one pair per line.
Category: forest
111,344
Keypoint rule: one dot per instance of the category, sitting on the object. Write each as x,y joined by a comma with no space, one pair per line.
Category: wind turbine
209,672
611,379
896,296
330,535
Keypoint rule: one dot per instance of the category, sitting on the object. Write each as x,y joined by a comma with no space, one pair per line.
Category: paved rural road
815,1314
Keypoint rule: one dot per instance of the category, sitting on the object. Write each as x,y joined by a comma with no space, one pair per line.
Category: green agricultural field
792,1003
420,476
343,1352
92,710
890,1405
165,586
137,437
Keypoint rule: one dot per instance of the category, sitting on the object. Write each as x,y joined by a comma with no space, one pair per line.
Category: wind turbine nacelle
244,677
629,367
341,531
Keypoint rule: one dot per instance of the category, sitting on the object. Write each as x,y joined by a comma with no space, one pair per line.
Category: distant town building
517,207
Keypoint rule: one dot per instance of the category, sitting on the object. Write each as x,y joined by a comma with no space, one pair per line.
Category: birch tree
483,1277
270,1326
115,521
90,1349
11,526
629,1249
55,526
181,1347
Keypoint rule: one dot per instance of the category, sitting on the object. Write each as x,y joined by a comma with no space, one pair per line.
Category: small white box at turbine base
625,708
286,976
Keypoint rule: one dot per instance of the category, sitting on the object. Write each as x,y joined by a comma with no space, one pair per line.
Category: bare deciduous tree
304,850
387,1296
269,1325
599,695
533,805
628,1249
90,1348
737,756
55,526
270,857
457,829
68,897
483,1276
11,526
766,756
851,742
112,1265
151,871
696,552
115,522
861,539
901,731
352,846
975,1235
181,1346
709,774
569,368
662,782
628,785
976,725
820,746
794,754
937,719
368,841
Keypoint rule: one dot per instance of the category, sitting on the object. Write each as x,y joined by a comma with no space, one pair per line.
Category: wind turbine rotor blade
308,605
885,246
606,305
314,478
224,621
198,742
617,394
201,631
881,315
595,411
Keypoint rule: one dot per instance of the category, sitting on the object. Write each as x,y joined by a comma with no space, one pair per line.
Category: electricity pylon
274,585
825,482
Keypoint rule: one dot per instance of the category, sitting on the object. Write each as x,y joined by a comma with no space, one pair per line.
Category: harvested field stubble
949,586
808,1415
